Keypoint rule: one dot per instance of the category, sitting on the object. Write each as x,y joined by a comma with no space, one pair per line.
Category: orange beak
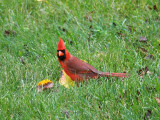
60,53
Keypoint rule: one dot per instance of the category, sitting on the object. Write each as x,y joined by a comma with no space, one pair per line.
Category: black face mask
62,58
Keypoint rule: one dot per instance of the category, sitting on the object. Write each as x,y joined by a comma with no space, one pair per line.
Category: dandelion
44,84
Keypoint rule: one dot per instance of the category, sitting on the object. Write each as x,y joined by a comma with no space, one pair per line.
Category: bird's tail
108,74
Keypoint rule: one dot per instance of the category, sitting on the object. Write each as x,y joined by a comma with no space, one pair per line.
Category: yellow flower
65,80
44,84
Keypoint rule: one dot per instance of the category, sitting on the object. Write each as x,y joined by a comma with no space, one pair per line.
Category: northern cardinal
77,69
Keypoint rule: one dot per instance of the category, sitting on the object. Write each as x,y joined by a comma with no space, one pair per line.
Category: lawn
111,35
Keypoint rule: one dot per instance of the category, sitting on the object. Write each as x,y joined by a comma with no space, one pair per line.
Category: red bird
77,69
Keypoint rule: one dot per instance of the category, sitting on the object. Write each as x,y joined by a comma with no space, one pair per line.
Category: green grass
109,41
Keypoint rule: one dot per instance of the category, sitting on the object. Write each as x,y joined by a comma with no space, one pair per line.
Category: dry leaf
143,50
138,93
155,7
143,71
137,96
158,100
143,39
147,114
149,57
9,32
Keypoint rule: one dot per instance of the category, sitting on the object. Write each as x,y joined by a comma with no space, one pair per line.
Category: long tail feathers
107,74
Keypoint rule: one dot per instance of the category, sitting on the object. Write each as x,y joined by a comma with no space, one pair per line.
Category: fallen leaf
147,114
149,57
158,100
143,71
138,93
143,39
143,50
155,7
137,96
9,32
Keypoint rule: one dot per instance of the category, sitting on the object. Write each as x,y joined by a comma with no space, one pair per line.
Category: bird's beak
60,53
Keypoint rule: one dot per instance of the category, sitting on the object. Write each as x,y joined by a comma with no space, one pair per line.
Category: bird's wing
78,66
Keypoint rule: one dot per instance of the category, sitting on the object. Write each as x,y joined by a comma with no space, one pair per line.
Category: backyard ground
111,35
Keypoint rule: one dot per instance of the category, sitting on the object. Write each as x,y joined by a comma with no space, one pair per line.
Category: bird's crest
61,45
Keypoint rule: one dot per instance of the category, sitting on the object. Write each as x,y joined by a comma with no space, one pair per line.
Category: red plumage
77,69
